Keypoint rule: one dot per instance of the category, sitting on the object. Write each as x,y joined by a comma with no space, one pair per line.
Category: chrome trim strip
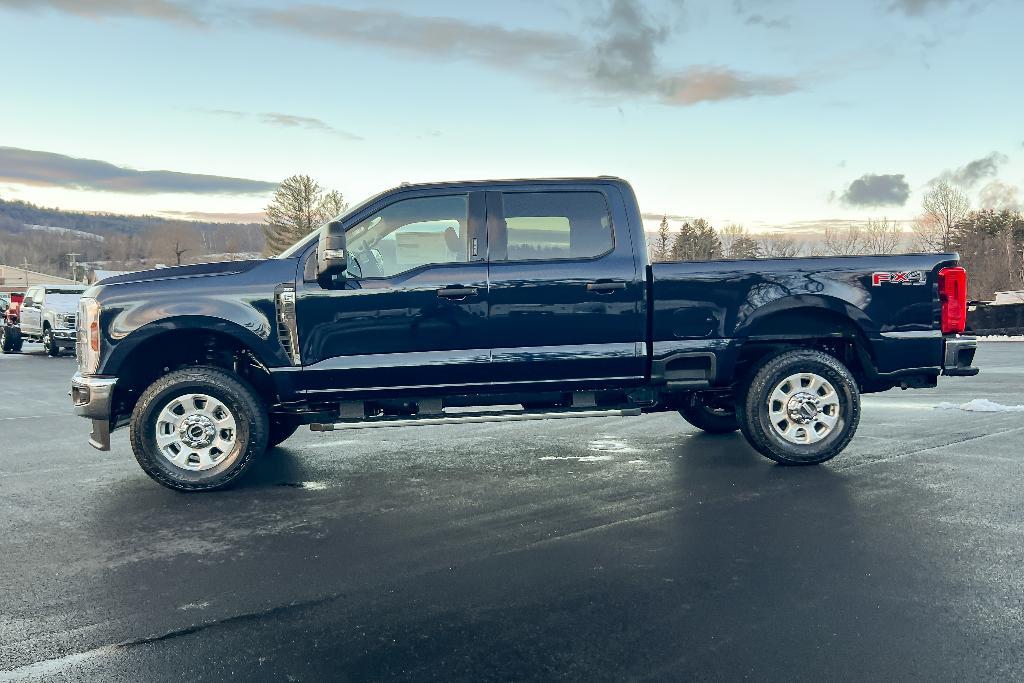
494,417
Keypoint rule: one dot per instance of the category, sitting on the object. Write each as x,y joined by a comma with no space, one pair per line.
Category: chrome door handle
456,292
605,286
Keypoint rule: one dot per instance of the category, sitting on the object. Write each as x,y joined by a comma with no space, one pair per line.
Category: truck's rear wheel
802,407
198,429
713,417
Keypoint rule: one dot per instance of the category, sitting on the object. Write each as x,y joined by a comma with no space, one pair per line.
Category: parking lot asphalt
601,549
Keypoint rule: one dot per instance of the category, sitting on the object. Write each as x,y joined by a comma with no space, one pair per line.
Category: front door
566,300
411,311
31,317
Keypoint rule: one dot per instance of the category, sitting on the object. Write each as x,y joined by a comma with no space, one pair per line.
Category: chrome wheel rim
804,408
195,432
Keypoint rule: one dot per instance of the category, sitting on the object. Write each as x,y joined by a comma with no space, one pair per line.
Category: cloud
877,190
975,171
287,121
767,22
216,217
997,195
751,18
922,7
625,62
165,10
614,54
618,58
31,167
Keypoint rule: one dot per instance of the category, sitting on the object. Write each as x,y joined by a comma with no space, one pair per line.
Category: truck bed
716,306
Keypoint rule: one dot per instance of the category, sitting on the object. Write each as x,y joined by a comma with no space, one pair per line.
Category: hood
62,303
220,268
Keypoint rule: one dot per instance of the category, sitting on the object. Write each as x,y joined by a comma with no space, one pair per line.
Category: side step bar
463,418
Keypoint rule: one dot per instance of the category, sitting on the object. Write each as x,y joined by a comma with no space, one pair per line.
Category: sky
769,113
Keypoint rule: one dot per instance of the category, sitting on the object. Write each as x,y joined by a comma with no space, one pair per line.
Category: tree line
990,242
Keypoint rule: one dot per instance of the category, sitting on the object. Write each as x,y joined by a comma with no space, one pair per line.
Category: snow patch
579,458
610,446
1003,338
314,486
980,405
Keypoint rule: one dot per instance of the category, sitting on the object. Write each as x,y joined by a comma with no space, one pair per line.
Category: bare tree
300,206
945,208
779,245
844,241
175,240
882,236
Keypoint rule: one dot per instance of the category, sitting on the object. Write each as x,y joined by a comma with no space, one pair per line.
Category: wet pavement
597,549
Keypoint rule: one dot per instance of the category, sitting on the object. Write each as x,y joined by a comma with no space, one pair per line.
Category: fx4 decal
913,277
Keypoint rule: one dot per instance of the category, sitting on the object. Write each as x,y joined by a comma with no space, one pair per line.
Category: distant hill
14,214
45,236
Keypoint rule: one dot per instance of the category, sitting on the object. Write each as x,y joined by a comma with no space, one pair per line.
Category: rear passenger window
556,225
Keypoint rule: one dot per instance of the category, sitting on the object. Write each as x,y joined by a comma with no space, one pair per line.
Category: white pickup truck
48,315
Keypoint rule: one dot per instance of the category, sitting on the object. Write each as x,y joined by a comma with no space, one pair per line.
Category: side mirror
28,303
331,255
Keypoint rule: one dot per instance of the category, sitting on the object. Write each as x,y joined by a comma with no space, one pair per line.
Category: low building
14,279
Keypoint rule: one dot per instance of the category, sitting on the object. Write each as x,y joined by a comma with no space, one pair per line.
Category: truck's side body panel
717,304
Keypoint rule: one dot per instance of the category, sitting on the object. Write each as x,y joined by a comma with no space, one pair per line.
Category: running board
464,418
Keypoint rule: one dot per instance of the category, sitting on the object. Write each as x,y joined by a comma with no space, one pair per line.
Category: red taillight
94,336
953,296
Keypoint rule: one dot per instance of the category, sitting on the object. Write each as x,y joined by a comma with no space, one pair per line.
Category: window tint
556,225
409,234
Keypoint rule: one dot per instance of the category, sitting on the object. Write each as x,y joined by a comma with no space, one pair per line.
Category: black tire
709,417
249,438
282,428
50,344
10,340
754,410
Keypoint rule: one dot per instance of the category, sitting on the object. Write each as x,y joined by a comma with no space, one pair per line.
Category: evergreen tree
660,252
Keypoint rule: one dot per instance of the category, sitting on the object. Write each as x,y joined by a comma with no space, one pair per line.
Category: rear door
565,300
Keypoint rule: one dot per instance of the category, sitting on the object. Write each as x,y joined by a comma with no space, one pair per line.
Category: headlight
87,346
62,319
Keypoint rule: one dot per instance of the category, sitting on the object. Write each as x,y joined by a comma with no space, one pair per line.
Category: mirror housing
27,302
331,253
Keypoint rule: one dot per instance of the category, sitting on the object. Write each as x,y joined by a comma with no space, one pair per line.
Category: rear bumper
958,357
92,398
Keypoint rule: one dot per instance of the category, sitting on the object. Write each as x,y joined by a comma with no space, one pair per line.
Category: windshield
300,245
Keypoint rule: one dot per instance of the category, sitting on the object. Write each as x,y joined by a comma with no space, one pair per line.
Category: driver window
410,234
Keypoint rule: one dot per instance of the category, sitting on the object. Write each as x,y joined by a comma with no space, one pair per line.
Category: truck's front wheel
198,429
802,407
10,339
50,344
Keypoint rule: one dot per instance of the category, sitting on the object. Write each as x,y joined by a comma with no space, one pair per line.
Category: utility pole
74,265
24,267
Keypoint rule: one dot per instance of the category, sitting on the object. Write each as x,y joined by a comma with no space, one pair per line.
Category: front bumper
65,337
92,398
958,357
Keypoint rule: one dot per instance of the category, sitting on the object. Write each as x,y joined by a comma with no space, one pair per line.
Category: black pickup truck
437,303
